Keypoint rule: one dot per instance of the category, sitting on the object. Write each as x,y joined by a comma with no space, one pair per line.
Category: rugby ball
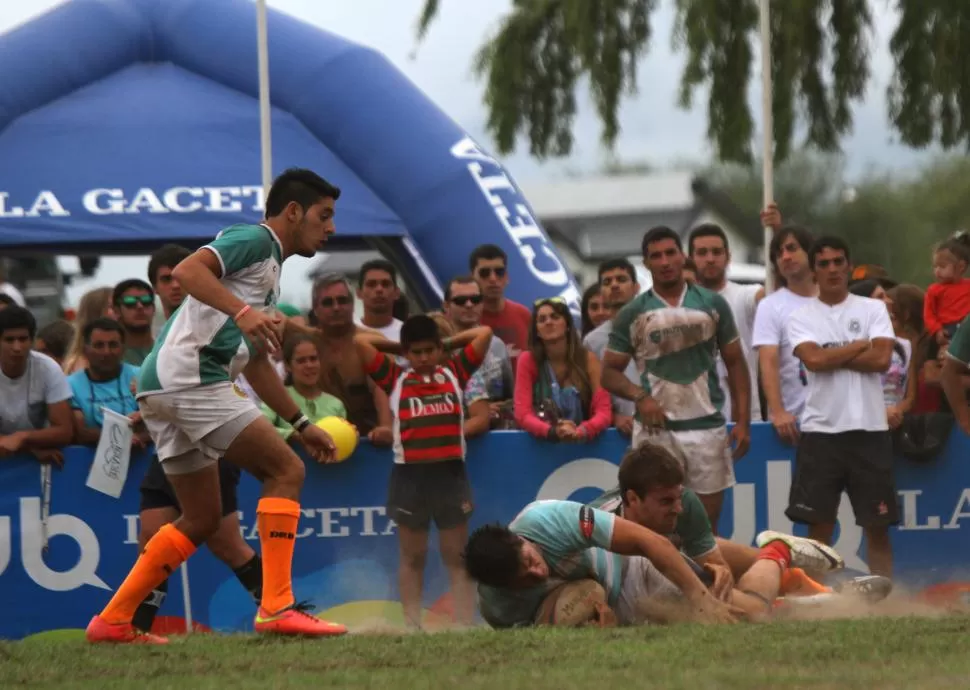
572,604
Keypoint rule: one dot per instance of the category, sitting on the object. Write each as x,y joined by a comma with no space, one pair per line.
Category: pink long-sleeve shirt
526,375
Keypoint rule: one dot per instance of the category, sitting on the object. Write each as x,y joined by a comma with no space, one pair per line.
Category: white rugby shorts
206,419
705,455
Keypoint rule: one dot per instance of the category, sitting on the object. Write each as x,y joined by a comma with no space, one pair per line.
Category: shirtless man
342,373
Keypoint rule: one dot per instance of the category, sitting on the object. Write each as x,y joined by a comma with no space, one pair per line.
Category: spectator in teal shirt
107,382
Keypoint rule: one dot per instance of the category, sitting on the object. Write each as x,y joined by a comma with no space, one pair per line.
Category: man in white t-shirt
35,412
708,247
846,343
782,374
618,280
378,291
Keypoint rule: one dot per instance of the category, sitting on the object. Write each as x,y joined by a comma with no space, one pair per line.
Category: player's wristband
241,313
301,423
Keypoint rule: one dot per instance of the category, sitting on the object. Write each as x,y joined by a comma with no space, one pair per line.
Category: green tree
891,221
543,49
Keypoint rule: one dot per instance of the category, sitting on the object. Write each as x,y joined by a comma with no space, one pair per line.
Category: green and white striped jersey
200,345
675,351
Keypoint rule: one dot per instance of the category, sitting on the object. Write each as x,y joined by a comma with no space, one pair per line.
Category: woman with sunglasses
302,361
557,384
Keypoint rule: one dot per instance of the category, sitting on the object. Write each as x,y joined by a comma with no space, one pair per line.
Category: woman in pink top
557,383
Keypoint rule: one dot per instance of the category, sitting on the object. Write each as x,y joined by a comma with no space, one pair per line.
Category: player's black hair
419,328
102,324
129,284
7,299
487,252
492,556
376,265
828,242
168,256
648,467
303,186
14,317
707,230
614,264
658,233
460,280
57,337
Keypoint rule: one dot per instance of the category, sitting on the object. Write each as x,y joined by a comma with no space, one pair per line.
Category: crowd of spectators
671,364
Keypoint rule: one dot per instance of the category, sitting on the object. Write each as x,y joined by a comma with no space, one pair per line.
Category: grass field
878,653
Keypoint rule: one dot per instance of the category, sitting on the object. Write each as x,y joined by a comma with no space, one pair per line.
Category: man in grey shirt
618,282
493,381
35,413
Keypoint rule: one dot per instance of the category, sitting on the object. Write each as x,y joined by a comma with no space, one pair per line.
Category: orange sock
163,553
796,581
276,520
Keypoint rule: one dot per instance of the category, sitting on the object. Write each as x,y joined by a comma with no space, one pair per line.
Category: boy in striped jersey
428,480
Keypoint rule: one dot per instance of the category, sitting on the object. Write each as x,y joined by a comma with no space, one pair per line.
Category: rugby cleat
808,554
100,631
868,588
294,620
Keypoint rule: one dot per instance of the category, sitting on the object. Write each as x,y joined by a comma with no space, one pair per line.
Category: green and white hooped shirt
200,345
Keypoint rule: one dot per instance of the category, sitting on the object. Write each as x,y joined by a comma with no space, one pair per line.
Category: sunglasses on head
487,271
462,300
132,300
341,300
549,300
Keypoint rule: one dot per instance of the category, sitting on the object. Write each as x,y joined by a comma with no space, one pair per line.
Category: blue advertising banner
346,554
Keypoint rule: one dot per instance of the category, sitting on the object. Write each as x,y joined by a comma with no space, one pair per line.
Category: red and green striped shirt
428,415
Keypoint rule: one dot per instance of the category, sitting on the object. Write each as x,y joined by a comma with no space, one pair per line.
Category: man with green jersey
228,324
673,332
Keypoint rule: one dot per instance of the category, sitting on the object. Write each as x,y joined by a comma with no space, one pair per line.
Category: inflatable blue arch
125,124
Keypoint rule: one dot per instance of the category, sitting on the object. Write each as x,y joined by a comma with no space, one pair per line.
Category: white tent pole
768,134
265,131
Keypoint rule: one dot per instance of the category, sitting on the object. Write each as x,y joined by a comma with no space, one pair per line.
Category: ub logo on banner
109,470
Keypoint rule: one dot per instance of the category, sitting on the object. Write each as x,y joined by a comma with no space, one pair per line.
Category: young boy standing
428,481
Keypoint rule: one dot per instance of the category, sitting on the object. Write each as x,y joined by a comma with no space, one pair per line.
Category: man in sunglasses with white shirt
134,300
493,382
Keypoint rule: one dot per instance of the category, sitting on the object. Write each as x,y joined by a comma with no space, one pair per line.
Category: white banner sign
109,470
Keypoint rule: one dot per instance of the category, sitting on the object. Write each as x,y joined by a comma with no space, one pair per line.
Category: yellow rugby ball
344,434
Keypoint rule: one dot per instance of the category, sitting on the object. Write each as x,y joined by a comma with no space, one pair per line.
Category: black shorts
857,462
438,491
156,492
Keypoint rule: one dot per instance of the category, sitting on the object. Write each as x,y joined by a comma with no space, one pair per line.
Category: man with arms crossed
194,415
845,342
673,332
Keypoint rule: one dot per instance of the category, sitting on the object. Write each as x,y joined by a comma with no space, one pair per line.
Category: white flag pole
186,597
768,134
265,131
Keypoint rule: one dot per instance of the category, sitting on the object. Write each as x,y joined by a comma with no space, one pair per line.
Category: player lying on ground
553,542
651,493
189,404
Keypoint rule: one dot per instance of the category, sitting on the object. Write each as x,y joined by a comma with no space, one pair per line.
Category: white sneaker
868,588
808,554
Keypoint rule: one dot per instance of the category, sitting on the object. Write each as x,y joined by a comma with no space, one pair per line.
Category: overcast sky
653,128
